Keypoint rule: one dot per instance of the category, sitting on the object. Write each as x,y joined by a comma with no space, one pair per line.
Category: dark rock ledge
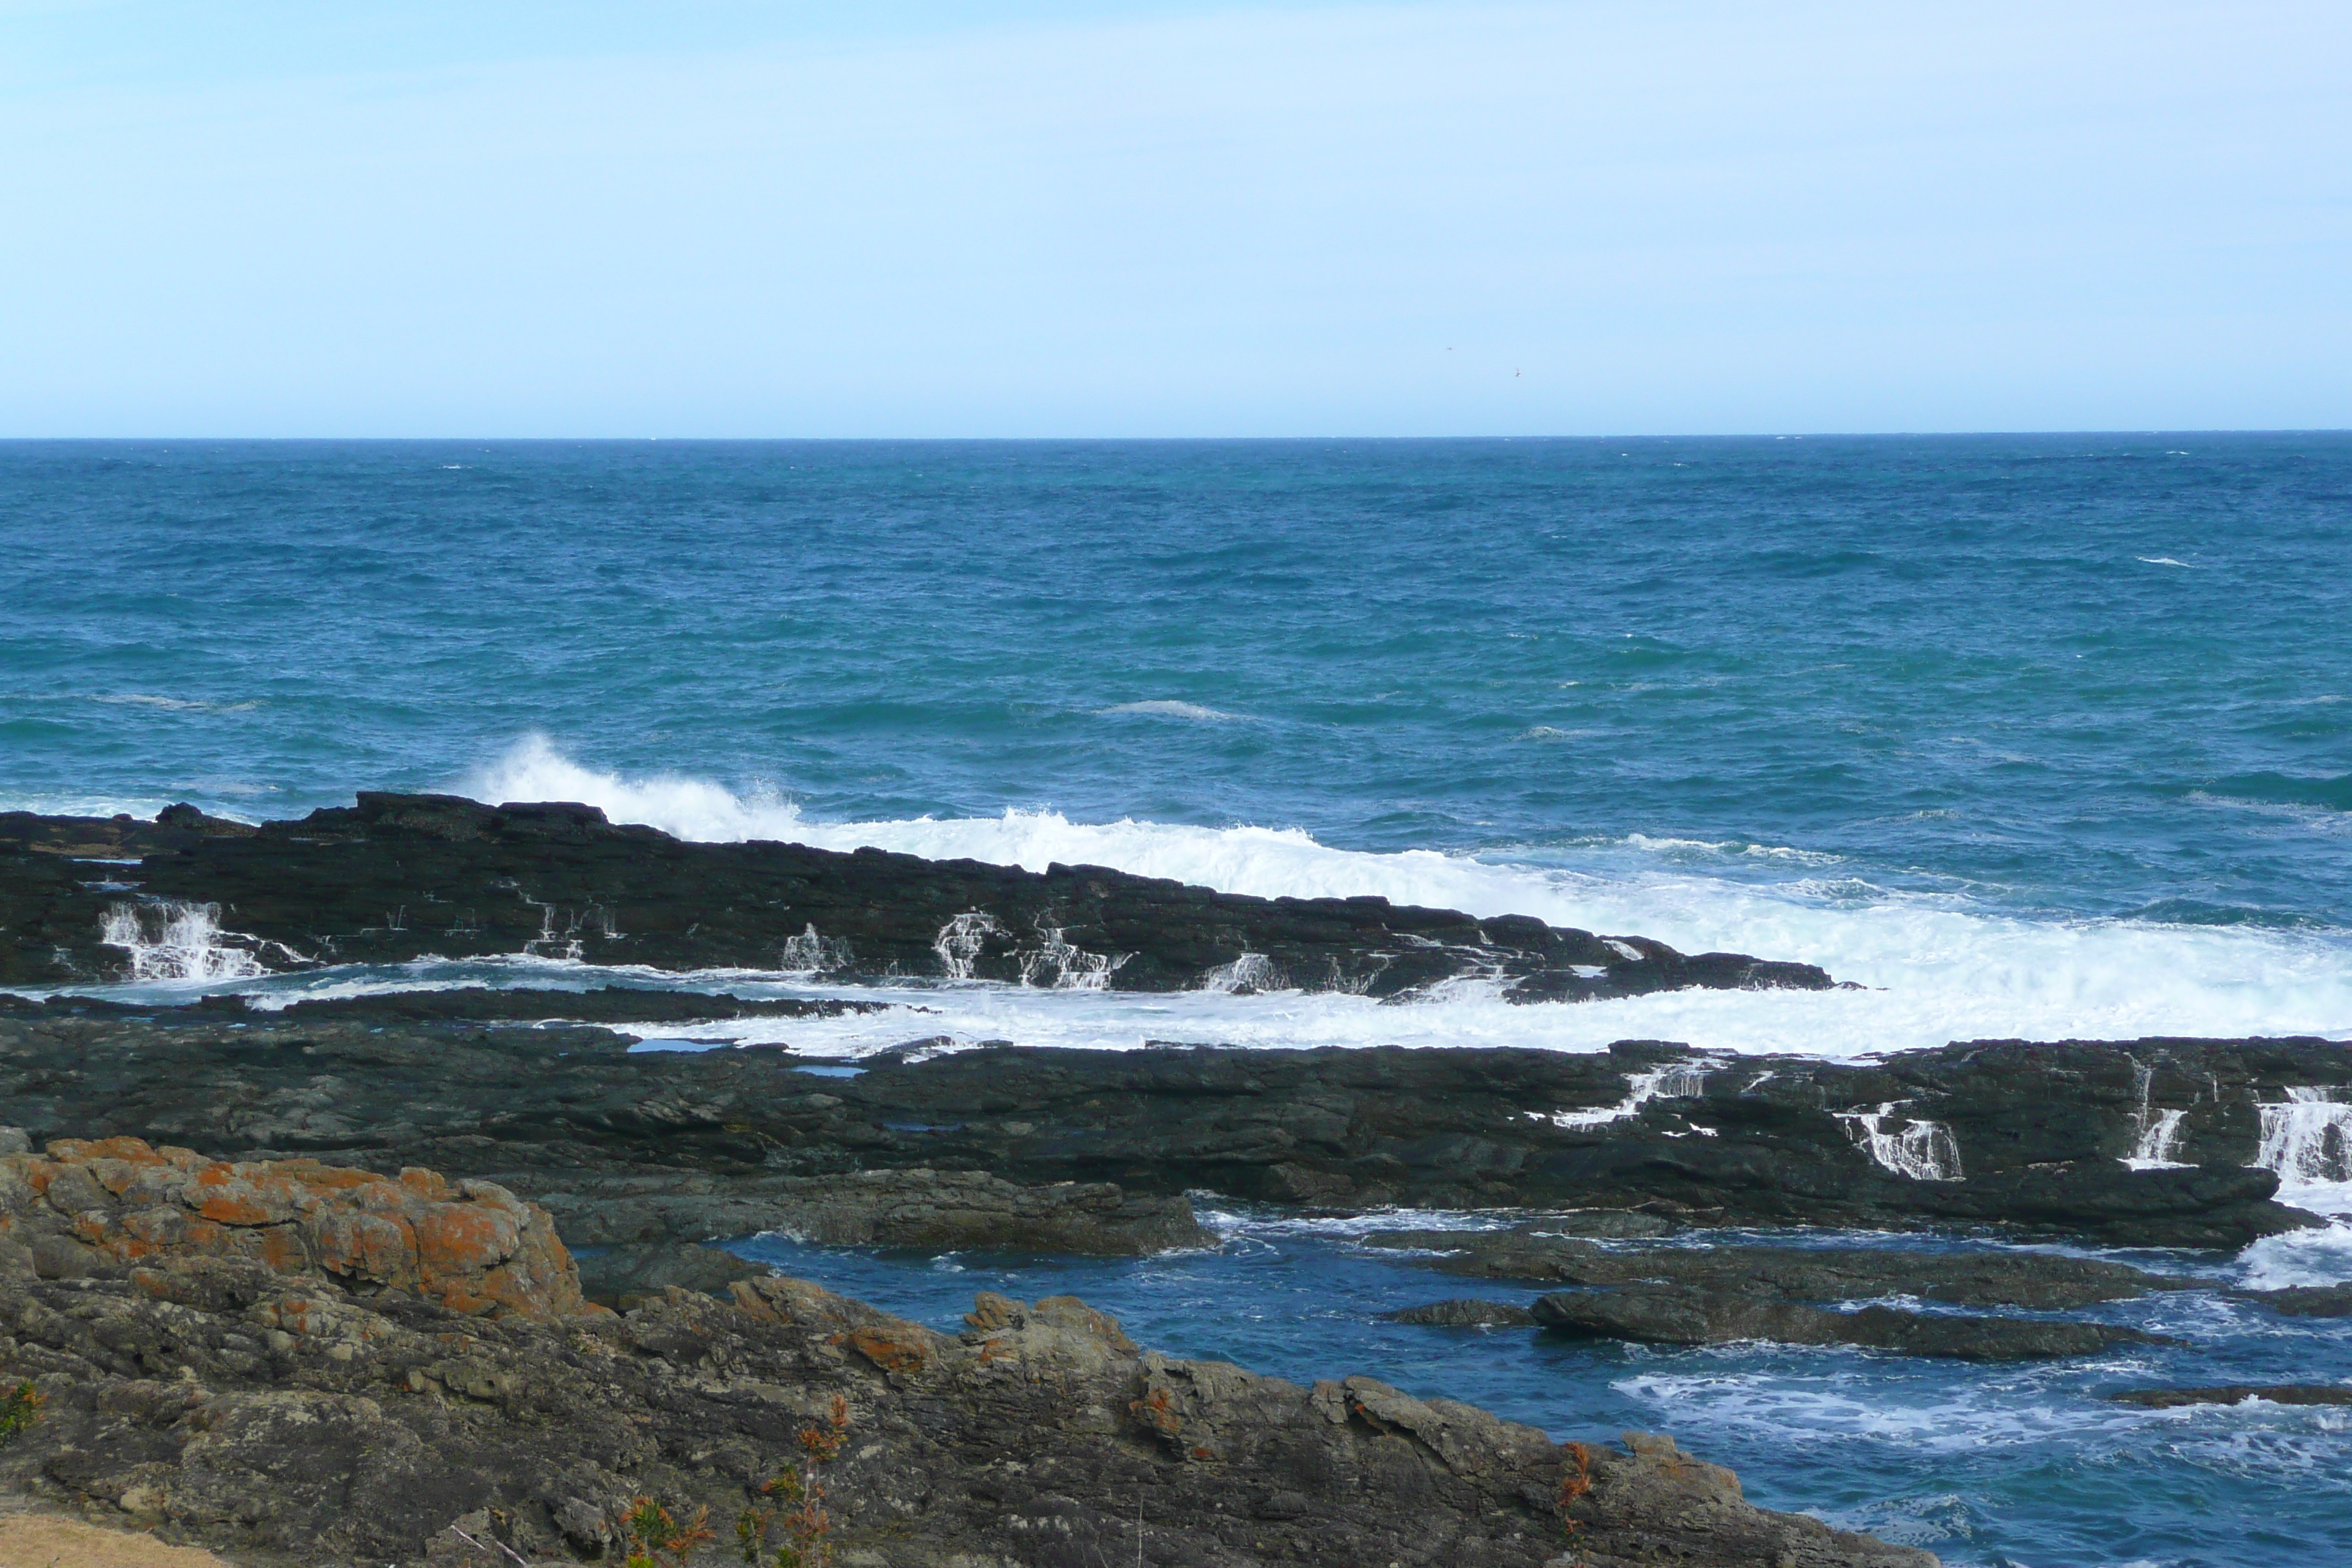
256,1382
1644,1138
400,877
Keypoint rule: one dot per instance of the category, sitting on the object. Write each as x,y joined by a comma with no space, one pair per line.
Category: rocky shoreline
259,1357
2022,1139
448,1361
399,876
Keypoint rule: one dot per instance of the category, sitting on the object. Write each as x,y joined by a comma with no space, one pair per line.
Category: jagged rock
1688,1315
2235,1394
188,1395
626,1276
2304,1300
1463,1312
397,876
474,1247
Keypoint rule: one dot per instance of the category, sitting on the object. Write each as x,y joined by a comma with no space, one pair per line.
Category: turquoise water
2033,737
2082,676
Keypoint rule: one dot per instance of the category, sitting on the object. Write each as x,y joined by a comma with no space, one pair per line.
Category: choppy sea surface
2031,736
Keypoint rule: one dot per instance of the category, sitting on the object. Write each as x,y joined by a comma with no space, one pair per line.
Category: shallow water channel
1989,1466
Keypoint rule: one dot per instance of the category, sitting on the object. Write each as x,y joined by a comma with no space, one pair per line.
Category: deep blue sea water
2032,736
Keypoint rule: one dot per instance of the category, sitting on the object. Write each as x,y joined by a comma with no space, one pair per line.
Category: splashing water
2158,1132
812,953
1061,965
961,939
1679,1081
2307,1138
1250,972
175,940
1923,1151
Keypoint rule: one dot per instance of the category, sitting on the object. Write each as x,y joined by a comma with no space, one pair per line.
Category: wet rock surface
2034,1280
1691,1315
2235,1394
283,1421
2304,1300
1463,1312
1720,1295
397,876
2035,1136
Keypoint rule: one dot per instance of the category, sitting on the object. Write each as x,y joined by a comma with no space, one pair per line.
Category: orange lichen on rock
471,1246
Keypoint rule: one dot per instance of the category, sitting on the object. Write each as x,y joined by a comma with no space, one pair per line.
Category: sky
718,218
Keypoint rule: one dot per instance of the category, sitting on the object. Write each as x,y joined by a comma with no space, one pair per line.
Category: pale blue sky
1049,218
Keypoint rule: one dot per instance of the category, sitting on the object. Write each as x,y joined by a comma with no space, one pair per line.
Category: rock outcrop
1719,1295
2235,1394
472,1247
184,1398
397,876
1691,1315
623,1278
2038,1281
939,1210
1636,1140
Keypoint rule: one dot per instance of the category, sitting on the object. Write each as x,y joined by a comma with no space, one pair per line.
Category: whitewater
1930,970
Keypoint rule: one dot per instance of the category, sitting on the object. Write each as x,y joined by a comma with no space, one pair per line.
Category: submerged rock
1463,1312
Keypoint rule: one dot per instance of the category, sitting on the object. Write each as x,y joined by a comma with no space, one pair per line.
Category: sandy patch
47,1541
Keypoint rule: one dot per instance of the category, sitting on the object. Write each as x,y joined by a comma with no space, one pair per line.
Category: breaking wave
1934,967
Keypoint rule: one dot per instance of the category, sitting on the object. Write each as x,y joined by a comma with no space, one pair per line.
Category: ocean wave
1167,708
172,704
1934,967
2321,1255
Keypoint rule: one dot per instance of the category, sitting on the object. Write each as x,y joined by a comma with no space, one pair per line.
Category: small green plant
658,1541
19,1408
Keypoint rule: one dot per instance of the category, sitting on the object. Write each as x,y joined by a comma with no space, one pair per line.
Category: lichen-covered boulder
471,1247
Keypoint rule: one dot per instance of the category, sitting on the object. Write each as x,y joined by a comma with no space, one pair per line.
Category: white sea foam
172,704
2321,1255
2307,1140
1934,968
175,942
1922,1151
1166,707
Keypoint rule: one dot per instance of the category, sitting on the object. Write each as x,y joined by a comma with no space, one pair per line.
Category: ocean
2036,736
